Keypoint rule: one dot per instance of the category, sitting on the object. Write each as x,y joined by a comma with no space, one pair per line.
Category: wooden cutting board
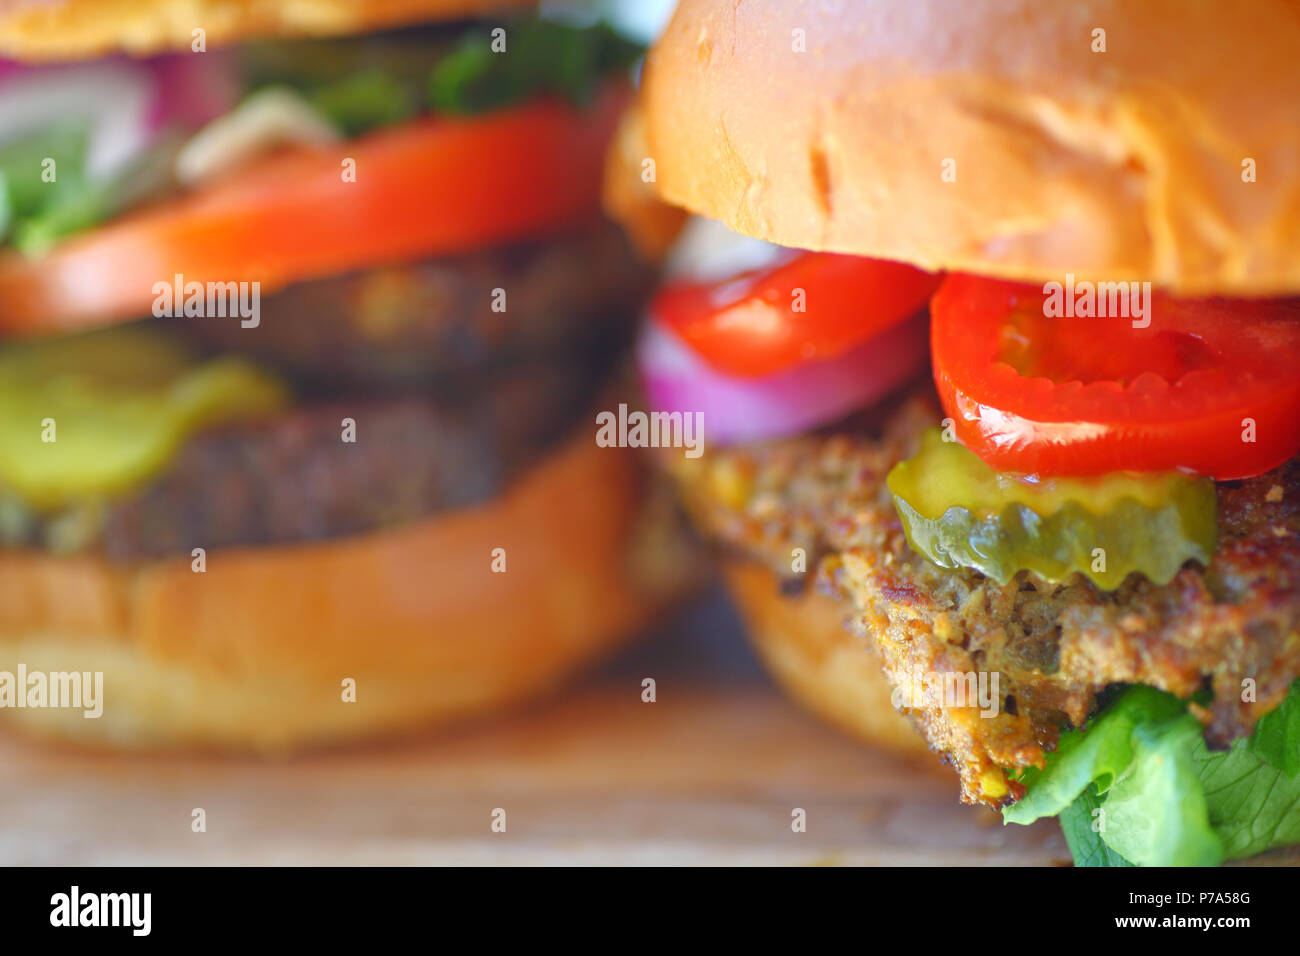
708,774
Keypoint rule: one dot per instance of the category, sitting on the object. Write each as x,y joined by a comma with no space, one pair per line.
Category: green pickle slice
960,513
117,404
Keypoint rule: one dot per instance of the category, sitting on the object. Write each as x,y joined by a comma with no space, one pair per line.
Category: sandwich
304,312
998,370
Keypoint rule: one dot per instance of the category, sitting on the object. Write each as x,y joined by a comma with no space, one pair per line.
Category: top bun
77,29
829,125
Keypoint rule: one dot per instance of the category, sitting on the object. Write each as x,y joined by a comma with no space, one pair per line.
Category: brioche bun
806,647
827,125
76,29
252,653
651,224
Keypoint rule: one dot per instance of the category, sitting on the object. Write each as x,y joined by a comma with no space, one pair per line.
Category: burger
305,311
1002,376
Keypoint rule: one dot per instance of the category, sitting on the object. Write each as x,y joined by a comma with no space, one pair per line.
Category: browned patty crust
416,324
291,477
1054,646
452,400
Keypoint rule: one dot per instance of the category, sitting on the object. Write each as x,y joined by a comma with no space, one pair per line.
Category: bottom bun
805,645
254,652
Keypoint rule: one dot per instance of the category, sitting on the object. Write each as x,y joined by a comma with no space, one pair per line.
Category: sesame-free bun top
76,29
993,136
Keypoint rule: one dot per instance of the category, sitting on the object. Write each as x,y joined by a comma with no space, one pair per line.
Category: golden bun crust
252,653
76,29
652,224
805,645
1118,165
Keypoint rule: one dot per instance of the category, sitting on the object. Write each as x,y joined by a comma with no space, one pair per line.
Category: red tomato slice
431,187
816,306
1210,385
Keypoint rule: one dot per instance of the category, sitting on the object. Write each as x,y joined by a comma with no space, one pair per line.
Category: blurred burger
304,325
1009,387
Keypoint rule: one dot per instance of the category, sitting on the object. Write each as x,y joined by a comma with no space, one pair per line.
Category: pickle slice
92,415
960,513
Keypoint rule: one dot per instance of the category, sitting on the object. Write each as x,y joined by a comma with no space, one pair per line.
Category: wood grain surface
707,774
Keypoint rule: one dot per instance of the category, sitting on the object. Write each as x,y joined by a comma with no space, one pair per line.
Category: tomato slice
815,306
434,186
1209,385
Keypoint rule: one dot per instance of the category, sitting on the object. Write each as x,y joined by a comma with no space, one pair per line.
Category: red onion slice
193,88
124,101
785,403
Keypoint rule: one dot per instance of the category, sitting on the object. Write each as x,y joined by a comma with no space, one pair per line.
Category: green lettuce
356,84
1277,735
44,191
1086,845
369,83
1139,787
364,100
541,56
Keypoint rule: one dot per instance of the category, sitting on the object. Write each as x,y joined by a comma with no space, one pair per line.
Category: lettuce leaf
1156,812
1097,755
541,56
1138,786
1277,735
1254,806
365,100
1080,822
357,84
363,84
29,194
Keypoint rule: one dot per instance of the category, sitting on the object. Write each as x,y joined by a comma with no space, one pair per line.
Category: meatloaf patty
1056,647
